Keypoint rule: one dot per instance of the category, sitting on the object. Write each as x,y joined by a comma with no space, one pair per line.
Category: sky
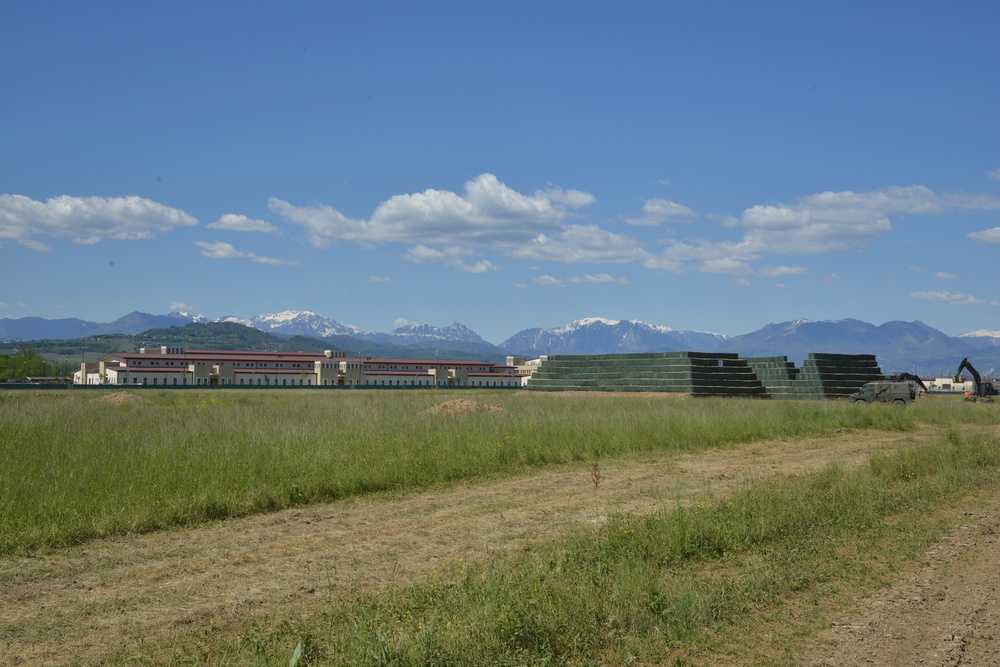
704,166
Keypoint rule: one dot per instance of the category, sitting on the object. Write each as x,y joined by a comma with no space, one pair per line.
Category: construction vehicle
981,389
886,391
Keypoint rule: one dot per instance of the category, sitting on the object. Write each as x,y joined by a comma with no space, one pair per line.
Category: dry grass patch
120,397
463,406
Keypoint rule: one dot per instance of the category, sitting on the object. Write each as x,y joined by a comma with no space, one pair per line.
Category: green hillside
233,336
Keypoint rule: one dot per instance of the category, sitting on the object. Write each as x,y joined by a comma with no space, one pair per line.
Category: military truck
896,393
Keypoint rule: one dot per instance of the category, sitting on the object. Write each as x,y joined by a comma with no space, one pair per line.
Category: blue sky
706,166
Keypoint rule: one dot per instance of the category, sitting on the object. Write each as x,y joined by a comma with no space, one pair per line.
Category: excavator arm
909,377
976,379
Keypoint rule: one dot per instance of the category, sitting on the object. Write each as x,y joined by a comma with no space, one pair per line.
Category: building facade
175,367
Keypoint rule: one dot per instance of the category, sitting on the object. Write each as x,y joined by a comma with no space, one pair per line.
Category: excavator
984,390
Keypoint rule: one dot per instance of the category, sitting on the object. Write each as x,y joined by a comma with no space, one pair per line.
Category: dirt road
945,615
153,595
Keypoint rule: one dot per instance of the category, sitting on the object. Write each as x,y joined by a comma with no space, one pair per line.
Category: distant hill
37,328
234,336
220,336
597,335
898,346
136,323
34,328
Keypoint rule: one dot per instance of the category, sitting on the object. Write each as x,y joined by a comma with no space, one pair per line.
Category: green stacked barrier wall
708,374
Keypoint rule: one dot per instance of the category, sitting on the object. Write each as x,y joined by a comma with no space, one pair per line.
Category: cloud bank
223,250
820,223
86,219
489,224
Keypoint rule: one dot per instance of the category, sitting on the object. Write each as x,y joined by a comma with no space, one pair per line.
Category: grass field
80,465
83,465
653,589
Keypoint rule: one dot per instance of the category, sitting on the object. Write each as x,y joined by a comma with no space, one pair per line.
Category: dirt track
947,614
152,594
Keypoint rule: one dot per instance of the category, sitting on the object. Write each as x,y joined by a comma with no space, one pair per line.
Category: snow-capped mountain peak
576,325
415,333
188,317
981,333
590,322
296,323
588,335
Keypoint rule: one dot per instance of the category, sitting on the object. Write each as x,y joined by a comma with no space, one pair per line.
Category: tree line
26,363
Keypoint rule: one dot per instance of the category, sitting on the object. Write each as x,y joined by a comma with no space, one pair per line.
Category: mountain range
899,346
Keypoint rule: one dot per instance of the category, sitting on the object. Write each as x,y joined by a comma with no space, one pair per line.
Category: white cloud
223,250
987,235
581,243
241,223
451,228
35,245
452,256
488,214
712,257
601,278
953,298
571,198
402,322
658,211
547,280
323,224
447,227
219,250
778,271
380,280
941,275
993,174
820,223
178,306
86,219
727,265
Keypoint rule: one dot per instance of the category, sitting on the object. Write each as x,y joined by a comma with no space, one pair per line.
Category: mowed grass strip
77,466
645,590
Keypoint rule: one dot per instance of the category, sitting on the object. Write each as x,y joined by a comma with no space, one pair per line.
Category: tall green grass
644,589
75,467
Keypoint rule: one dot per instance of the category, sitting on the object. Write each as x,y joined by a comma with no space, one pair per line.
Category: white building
175,367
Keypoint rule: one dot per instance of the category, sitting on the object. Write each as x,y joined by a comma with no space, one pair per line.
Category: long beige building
175,367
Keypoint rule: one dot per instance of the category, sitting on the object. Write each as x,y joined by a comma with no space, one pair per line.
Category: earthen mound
120,397
462,406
